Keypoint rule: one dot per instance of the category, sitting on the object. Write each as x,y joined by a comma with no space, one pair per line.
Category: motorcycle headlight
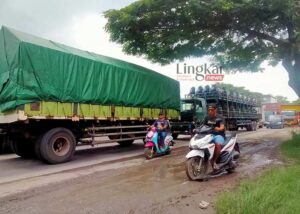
193,146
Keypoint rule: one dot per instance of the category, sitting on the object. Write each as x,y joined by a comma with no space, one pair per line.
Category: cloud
44,17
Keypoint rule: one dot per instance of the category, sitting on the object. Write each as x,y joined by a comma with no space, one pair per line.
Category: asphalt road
14,168
108,175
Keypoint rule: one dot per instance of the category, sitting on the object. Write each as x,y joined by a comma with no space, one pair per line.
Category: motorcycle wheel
149,153
230,170
168,152
196,168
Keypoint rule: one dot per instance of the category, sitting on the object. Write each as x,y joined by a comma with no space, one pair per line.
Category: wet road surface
124,182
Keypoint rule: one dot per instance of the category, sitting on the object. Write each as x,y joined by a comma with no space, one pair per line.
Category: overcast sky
80,24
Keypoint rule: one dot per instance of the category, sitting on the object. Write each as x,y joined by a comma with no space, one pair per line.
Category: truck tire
57,146
23,148
175,136
5,145
236,128
37,147
1,144
121,143
249,127
125,143
254,126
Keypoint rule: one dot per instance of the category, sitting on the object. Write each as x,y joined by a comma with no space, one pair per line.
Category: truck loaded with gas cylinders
54,97
238,111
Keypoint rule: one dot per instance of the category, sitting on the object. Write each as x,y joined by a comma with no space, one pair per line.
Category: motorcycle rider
162,125
217,123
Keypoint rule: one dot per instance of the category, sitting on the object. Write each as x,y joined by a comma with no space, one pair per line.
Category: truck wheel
249,127
125,143
23,148
1,145
5,146
175,136
234,128
57,146
37,147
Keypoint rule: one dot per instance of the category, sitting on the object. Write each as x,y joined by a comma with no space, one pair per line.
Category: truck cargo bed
77,111
33,69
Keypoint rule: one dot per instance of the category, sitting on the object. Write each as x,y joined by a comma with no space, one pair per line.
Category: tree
237,34
282,100
297,102
241,90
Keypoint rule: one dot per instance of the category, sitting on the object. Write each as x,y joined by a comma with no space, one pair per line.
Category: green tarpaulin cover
34,69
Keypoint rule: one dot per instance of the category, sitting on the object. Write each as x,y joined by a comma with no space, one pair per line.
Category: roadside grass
276,191
291,148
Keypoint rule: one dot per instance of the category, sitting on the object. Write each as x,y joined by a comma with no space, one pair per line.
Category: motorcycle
202,151
152,146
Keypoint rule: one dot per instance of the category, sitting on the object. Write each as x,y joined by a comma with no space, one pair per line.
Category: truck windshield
187,106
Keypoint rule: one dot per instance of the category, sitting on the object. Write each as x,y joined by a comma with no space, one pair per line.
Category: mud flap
195,153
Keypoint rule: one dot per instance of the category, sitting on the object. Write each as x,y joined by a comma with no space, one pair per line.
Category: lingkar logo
199,73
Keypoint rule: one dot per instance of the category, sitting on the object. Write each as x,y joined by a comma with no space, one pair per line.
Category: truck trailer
54,97
238,111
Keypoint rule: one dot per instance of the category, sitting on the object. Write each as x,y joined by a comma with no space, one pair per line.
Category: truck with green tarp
238,110
54,97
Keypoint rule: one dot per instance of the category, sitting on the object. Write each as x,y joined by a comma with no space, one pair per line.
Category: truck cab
192,113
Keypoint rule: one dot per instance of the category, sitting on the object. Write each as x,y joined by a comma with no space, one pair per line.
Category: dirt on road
157,186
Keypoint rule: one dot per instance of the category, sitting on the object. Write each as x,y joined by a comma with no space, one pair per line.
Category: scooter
152,146
202,151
